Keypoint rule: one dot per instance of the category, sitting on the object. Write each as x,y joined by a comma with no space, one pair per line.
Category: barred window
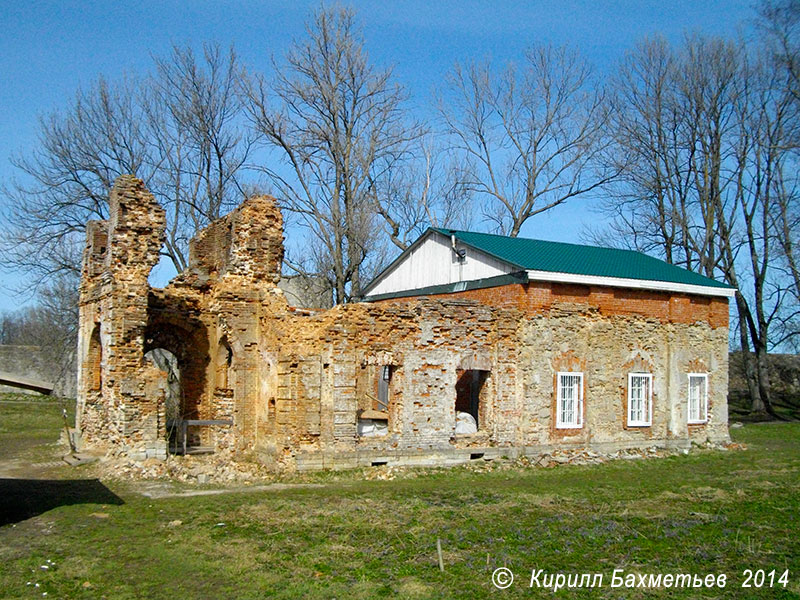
569,398
698,397
640,399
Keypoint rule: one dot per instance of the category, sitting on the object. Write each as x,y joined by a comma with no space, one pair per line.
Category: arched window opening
95,361
224,361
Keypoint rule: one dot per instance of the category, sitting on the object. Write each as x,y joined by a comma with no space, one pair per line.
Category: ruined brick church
467,346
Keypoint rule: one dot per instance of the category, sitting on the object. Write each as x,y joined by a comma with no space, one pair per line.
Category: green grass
709,512
30,424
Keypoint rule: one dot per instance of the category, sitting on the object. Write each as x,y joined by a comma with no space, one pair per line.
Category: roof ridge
445,230
594,260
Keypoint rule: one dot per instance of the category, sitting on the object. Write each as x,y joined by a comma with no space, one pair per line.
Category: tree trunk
748,360
762,369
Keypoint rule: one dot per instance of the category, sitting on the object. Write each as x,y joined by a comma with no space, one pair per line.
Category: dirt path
22,468
166,489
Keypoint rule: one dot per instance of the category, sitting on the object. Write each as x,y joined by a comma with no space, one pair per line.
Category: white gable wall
433,262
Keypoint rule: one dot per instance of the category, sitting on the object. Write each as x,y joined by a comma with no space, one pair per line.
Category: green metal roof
558,257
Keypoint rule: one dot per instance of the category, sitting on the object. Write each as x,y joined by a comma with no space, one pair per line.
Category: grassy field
30,424
708,512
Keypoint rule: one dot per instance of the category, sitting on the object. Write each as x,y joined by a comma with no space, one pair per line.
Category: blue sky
49,49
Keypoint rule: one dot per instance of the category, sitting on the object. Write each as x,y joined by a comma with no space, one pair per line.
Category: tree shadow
22,499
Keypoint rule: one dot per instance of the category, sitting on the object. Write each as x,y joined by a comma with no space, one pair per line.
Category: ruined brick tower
116,406
203,318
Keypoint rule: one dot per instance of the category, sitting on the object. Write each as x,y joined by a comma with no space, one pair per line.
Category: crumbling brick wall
314,409
118,403
430,340
299,388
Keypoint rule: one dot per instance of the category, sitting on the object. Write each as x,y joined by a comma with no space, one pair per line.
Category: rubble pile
587,457
215,468
222,468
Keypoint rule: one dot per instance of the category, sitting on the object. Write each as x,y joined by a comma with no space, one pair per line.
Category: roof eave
518,277
642,284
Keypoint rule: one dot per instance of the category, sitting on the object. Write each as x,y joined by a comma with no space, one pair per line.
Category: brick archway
190,347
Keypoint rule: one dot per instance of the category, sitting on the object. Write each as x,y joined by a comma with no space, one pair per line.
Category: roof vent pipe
460,252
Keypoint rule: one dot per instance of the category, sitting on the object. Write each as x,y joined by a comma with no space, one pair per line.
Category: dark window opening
469,406
384,380
375,393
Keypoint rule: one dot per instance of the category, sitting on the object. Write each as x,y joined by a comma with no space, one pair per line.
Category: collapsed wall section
206,319
242,255
332,367
248,242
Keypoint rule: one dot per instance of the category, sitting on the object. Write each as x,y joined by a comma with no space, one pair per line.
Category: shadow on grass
22,499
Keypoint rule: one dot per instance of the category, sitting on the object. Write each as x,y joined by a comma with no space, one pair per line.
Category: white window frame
702,409
577,422
647,408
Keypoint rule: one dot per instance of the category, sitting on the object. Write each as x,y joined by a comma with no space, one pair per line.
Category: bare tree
197,131
531,135
786,224
779,22
764,109
429,190
704,134
177,130
650,196
65,180
338,126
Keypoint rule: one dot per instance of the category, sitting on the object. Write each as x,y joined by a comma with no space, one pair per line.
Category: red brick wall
539,296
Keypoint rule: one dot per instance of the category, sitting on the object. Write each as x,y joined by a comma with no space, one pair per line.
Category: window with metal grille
569,398
640,399
698,397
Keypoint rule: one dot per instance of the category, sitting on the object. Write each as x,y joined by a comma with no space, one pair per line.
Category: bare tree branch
531,136
177,129
339,127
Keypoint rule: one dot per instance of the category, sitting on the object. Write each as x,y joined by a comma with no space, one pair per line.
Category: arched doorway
184,352
167,362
